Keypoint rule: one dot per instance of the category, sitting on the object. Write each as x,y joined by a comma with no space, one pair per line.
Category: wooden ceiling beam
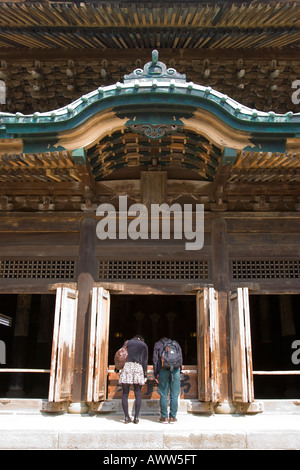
23,54
267,188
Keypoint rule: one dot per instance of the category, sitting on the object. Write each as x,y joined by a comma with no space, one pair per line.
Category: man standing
167,363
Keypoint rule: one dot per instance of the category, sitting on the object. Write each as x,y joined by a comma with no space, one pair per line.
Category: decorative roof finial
154,57
155,69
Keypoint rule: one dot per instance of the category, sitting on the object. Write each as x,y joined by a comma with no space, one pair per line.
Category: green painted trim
79,156
162,96
229,156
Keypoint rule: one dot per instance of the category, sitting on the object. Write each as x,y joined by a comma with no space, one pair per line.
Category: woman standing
134,373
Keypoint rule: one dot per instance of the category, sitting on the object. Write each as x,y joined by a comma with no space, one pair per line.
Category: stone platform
26,427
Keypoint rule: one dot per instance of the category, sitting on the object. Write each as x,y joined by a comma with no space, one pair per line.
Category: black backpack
171,357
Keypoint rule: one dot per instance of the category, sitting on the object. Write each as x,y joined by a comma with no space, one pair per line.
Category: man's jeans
166,385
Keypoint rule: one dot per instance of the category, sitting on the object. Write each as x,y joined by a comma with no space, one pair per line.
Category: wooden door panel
241,353
98,345
62,359
207,326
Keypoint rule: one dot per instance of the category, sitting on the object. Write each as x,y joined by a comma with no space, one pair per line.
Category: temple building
149,183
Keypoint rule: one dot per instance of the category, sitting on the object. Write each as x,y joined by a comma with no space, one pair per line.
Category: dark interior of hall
28,343
275,325
154,316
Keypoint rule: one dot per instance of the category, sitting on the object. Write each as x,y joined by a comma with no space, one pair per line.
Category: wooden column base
54,407
249,408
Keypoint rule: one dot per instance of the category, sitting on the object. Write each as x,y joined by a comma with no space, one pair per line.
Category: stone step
107,431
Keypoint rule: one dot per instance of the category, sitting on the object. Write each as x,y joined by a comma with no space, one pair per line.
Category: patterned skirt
132,373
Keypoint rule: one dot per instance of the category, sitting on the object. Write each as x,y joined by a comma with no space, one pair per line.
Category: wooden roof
52,52
154,97
102,25
38,167
54,56
155,114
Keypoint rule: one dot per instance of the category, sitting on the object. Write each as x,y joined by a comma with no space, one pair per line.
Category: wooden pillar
85,282
20,343
221,284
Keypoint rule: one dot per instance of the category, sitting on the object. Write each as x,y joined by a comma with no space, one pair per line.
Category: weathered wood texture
248,51
256,167
241,352
62,360
235,247
207,346
264,252
98,345
153,187
46,167
266,239
221,282
85,282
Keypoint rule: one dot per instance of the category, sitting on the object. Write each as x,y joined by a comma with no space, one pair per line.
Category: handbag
121,356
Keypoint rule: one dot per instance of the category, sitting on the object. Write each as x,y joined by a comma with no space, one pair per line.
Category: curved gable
151,100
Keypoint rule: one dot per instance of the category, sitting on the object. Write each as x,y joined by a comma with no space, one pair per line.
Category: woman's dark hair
140,337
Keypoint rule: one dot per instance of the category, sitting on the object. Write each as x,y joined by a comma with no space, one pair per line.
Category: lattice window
265,269
153,270
37,269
